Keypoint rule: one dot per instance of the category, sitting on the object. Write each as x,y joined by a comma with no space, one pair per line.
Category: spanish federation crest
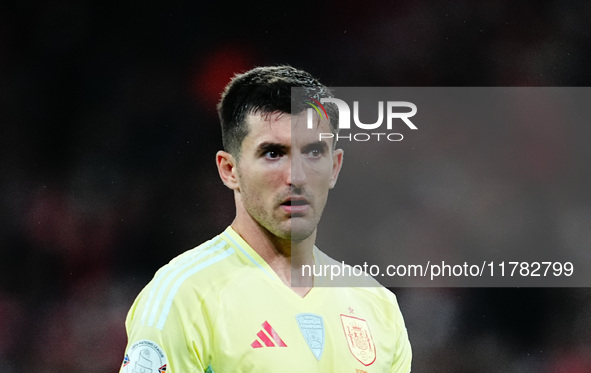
312,328
359,339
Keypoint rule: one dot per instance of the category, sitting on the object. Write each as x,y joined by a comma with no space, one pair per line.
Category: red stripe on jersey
274,334
256,344
265,339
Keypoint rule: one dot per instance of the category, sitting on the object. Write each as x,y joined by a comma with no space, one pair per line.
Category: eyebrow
317,144
267,146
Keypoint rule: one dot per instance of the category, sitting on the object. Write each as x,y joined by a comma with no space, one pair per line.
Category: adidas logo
267,337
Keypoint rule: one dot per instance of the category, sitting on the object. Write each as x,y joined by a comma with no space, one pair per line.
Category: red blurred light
215,72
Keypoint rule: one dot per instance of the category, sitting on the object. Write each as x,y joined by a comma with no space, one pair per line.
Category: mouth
296,205
295,201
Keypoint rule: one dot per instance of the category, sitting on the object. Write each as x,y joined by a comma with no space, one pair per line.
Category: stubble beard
275,222
287,229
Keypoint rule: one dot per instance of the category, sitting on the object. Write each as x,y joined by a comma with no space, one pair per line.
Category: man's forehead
284,128
260,118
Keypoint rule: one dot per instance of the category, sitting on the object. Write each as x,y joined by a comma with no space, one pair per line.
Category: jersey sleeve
394,321
165,337
403,354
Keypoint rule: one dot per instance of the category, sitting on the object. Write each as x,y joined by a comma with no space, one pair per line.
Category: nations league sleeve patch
145,356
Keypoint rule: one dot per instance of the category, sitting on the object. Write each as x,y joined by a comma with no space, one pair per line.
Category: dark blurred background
108,135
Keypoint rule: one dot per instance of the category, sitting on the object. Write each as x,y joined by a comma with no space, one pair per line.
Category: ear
337,163
227,169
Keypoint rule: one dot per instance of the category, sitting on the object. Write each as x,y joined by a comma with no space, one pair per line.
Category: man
228,305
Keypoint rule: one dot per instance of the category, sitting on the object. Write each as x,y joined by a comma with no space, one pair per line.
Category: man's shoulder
216,255
212,261
211,268
189,280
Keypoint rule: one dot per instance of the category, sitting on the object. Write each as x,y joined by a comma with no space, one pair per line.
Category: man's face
285,172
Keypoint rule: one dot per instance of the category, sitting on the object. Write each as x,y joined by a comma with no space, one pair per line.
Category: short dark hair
266,89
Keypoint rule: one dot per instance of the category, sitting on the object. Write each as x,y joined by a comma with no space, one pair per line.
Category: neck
281,254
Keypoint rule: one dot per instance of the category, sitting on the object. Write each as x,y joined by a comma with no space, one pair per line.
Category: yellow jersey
220,308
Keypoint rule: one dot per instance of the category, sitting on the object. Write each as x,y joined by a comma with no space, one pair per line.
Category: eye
272,154
272,151
315,153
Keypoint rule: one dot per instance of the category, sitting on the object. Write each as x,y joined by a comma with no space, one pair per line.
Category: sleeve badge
145,356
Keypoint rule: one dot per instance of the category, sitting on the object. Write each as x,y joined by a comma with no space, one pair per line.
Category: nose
297,174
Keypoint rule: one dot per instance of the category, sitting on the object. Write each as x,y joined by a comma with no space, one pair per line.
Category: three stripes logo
267,337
